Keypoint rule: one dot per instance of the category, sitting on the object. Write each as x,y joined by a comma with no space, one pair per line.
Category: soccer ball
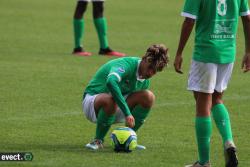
124,139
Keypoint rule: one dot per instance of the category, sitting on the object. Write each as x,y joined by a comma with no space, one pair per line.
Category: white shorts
207,77
89,110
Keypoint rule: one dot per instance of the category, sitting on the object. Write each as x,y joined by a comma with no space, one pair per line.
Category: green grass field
41,86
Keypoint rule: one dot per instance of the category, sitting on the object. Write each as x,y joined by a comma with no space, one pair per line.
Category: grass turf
41,86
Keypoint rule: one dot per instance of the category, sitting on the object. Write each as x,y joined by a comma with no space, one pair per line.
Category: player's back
98,82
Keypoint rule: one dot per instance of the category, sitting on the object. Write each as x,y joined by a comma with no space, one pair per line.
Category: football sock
203,127
222,120
78,31
101,28
104,122
139,113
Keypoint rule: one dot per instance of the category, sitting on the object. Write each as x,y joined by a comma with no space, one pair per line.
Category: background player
100,25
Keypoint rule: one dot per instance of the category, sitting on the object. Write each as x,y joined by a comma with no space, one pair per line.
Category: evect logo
16,156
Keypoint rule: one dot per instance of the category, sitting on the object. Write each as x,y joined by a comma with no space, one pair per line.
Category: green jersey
118,77
216,27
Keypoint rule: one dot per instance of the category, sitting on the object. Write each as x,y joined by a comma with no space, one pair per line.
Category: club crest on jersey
121,70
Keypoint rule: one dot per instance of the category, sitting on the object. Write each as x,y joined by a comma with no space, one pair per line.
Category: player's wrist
128,116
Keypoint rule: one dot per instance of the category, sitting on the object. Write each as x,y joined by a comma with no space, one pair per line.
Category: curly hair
157,56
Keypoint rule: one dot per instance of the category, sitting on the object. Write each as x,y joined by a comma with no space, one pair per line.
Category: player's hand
245,65
130,121
178,63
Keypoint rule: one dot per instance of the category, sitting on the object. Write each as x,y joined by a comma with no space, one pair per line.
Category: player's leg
101,28
201,81
203,128
222,120
203,125
78,24
100,109
100,23
105,108
221,115
140,104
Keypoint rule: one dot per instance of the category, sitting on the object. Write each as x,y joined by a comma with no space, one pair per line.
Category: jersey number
222,7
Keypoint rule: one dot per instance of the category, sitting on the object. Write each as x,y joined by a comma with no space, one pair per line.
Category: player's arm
112,84
246,59
190,12
186,30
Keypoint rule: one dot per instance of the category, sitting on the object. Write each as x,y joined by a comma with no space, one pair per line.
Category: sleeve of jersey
112,84
244,8
191,9
146,85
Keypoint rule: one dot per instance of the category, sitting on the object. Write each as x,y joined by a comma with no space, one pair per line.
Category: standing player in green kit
119,92
100,25
212,63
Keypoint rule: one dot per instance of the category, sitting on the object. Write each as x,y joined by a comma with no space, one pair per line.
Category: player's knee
109,105
148,99
80,9
216,101
216,98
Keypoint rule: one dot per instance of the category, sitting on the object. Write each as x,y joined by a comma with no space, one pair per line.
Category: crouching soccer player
119,91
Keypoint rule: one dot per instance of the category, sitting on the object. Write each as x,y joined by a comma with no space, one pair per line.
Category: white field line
80,113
